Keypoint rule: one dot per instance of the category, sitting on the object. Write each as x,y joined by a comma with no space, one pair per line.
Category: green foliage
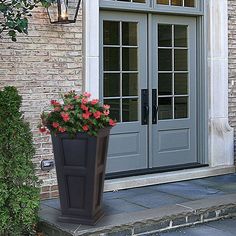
14,15
19,192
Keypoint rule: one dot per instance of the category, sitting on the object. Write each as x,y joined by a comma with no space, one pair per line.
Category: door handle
146,114
154,114
145,106
154,106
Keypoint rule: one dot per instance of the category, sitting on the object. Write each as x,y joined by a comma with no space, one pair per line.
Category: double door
148,77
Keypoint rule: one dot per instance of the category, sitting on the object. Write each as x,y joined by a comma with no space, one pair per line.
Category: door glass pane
181,60
111,85
181,83
180,36
164,59
165,108
164,84
129,59
189,3
139,1
129,33
114,109
177,2
164,35
164,2
111,59
130,109
111,33
174,83
181,107
120,72
130,84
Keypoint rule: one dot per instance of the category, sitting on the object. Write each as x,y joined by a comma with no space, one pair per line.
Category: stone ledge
148,221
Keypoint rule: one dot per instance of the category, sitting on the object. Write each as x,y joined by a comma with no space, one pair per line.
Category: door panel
179,140
123,76
174,77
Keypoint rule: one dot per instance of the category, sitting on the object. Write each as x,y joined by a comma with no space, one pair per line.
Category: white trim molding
221,147
91,46
220,139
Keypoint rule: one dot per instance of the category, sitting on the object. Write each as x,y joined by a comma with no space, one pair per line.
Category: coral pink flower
106,113
84,100
94,101
83,107
97,114
61,129
112,122
85,128
106,107
66,108
57,108
55,125
76,97
55,103
65,116
86,115
86,94
71,107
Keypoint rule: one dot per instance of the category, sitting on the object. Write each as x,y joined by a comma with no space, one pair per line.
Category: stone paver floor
138,199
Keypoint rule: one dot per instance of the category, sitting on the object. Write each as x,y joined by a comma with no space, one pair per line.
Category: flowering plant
77,113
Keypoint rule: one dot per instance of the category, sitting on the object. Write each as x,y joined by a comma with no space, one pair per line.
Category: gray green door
174,77
148,77
123,76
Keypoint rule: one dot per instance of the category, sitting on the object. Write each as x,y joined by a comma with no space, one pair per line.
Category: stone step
145,222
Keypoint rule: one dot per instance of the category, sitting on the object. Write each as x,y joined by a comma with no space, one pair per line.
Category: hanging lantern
63,11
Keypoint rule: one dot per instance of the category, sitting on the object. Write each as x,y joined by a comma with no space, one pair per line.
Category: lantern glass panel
64,11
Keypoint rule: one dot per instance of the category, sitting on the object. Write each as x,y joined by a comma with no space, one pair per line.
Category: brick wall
42,65
232,64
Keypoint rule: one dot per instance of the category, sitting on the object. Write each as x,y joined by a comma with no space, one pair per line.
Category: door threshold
165,177
153,170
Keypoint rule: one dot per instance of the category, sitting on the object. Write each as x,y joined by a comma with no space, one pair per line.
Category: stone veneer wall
42,65
232,64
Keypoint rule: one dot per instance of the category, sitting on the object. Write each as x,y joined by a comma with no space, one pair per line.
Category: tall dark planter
80,165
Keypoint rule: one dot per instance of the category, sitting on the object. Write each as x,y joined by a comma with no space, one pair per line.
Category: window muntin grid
183,3
171,6
120,69
173,72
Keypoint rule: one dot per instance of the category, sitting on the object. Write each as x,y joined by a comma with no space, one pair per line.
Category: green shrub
19,192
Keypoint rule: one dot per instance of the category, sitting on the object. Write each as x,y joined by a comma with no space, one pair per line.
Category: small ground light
47,165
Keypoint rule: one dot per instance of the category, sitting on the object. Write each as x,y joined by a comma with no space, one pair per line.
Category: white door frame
220,135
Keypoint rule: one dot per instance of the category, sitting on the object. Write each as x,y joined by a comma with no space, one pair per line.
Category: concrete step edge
158,219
